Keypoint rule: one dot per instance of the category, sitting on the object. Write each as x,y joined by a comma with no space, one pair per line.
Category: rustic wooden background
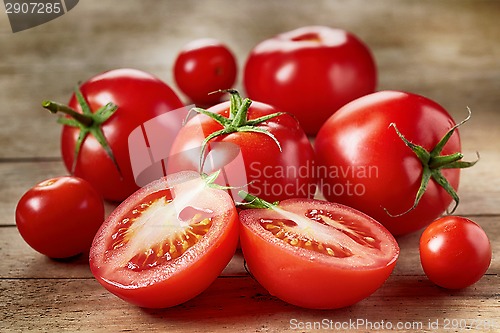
447,50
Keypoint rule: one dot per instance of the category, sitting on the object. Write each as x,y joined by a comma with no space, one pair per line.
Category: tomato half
60,216
317,254
202,67
455,252
365,164
167,242
139,97
310,72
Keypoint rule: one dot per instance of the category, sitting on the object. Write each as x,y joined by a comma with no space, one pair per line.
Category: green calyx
432,164
253,202
87,122
236,122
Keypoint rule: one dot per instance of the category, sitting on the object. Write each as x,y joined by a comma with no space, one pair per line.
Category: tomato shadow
228,298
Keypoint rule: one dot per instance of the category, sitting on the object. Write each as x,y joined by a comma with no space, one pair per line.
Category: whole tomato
59,217
253,144
310,72
103,112
455,252
393,155
202,67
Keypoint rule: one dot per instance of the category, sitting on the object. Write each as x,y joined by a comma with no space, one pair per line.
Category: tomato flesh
166,243
317,254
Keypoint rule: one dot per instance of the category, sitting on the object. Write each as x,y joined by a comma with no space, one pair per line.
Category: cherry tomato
310,72
167,242
364,163
139,97
60,216
276,156
202,67
316,254
455,252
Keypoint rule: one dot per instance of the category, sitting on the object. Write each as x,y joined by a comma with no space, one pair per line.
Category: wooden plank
479,190
237,304
37,266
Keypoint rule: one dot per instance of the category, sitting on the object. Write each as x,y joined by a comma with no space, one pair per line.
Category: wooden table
448,51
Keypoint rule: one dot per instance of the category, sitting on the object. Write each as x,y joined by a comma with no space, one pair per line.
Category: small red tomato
455,252
277,157
310,72
103,112
202,67
60,216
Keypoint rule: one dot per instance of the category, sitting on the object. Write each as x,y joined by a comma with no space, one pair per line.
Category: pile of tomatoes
244,171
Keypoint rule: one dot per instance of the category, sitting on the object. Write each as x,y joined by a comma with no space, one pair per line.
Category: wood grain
445,50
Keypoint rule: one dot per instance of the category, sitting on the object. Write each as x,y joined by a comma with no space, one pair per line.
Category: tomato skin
455,252
60,216
140,96
177,281
264,163
202,67
305,278
357,147
310,72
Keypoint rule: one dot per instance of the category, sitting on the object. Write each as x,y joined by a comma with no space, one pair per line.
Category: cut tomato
167,242
316,254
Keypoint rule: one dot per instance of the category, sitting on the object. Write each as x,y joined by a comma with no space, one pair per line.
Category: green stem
255,202
55,107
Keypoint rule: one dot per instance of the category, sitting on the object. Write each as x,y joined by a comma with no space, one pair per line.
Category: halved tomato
167,242
316,254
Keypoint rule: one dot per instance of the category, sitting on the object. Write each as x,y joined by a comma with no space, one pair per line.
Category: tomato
60,216
364,163
455,252
202,67
167,242
316,254
103,157
310,72
276,157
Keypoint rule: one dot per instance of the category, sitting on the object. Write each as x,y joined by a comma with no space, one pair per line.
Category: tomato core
194,224
309,37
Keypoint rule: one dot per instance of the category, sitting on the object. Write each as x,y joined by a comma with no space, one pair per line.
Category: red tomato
310,72
60,216
455,252
202,67
140,97
317,254
276,165
167,242
363,163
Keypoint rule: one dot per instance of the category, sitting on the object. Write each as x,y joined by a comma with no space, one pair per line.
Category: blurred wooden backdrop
447,50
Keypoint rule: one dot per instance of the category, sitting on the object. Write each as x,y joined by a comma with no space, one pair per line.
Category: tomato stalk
236,122
255,202
433,162
87,122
